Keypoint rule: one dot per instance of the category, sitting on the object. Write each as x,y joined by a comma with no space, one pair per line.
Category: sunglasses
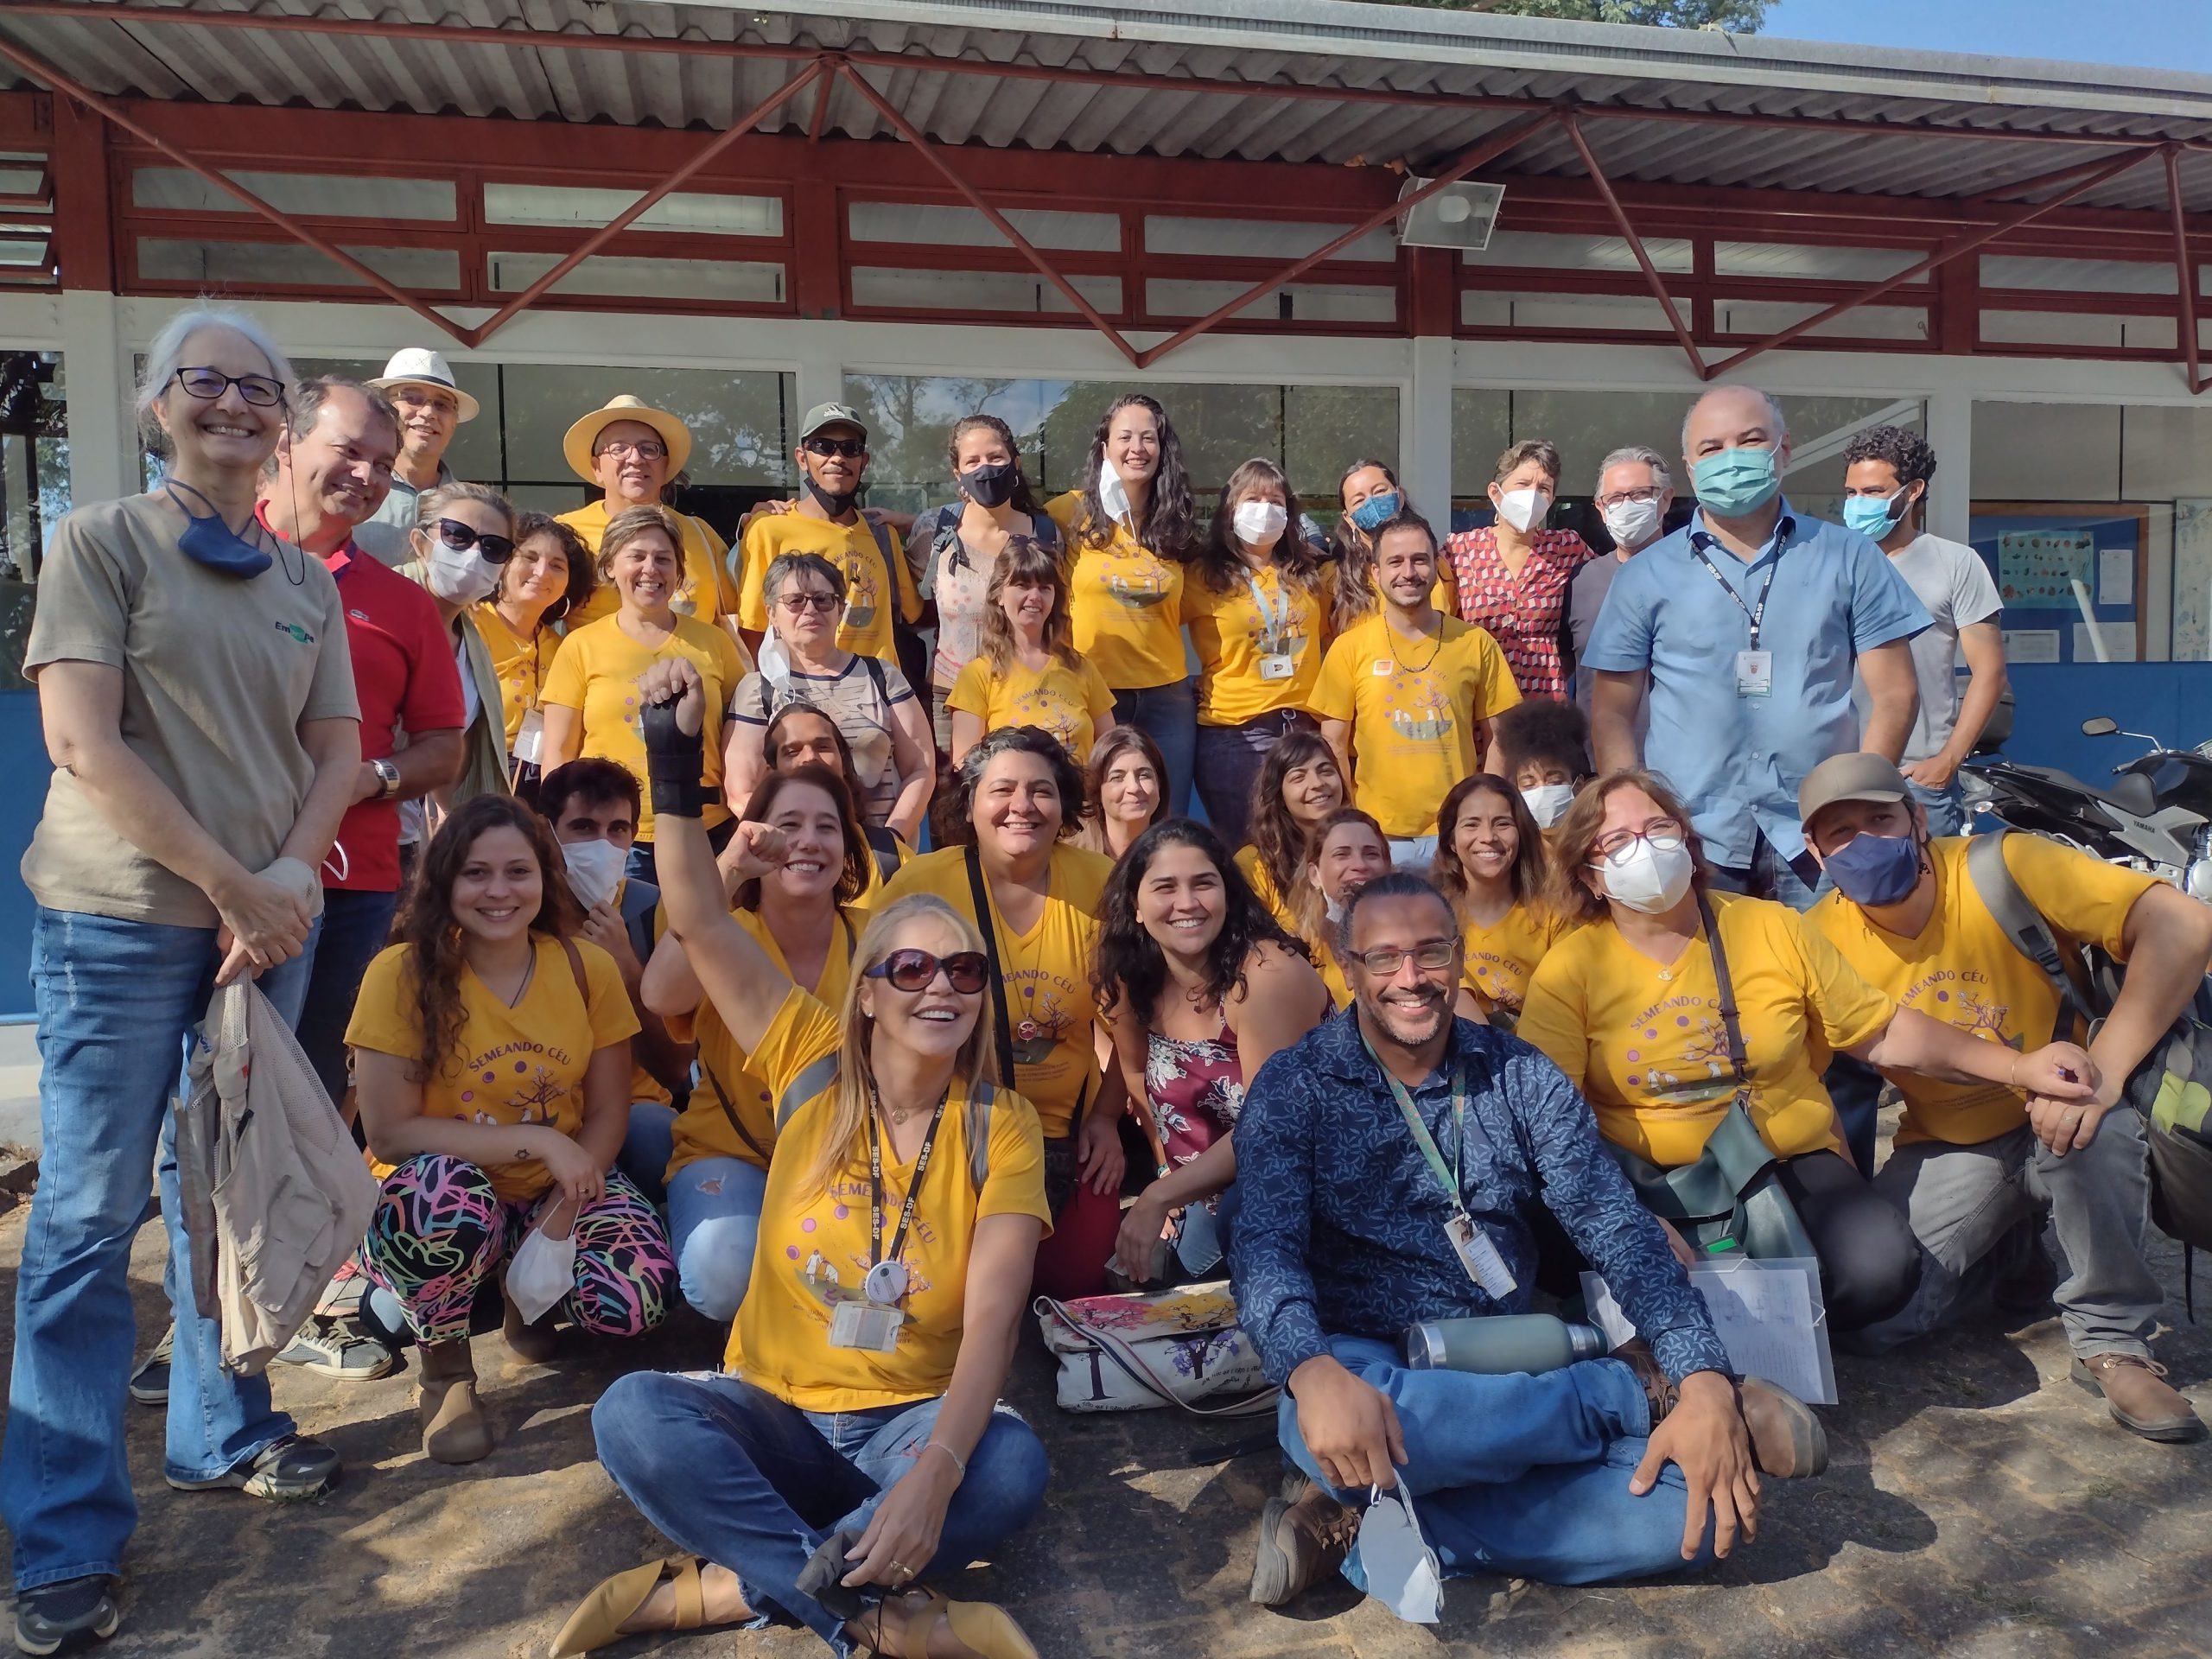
851,448
821,604
207,385
912,970
494,550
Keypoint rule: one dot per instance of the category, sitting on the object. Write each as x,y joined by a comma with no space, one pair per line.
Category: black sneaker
149,1383
285,1470
50,1615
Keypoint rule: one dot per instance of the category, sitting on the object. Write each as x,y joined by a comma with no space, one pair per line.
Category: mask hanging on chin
1114,496
207,540
1876,870
837,504
1523,509
1648,879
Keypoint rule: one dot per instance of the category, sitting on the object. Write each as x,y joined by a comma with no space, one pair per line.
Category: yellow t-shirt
874,585
814,1246
1501,958
1126,602
1066,702
597,673
1233,639
706,591
511,1065
1963,970
1263,888
1331,972
1048,973
1413,728
1646,1046
703,1130
521,663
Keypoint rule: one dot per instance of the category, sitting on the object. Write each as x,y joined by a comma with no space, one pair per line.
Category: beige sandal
599,1618
982,1628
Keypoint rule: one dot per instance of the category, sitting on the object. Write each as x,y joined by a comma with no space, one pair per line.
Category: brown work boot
2140,1399
1304,1535
1787,1440
454,1429
534,1344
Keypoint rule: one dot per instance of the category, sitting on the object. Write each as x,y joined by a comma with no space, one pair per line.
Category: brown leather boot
534,1344
1787,1440
455,1428
2140,1399
1304,1535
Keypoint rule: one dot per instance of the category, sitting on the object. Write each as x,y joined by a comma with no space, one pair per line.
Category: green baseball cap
824,415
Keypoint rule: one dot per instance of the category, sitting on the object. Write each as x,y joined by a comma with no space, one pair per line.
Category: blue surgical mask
1876,870
1872,516
1376,511
207,540
1732,482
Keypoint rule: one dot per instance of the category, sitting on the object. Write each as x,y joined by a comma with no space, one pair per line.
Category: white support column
1951,429
1425,431
103,447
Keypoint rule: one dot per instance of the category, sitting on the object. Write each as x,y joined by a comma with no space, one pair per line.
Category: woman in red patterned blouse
1513,576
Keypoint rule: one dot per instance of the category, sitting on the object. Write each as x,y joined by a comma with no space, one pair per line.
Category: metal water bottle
1502,1344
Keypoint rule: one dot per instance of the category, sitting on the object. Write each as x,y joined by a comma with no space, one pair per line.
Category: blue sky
2164,33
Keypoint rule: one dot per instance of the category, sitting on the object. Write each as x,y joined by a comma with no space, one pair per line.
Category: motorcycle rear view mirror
2099,726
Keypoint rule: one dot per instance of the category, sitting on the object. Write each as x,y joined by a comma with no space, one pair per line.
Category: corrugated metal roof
1221,47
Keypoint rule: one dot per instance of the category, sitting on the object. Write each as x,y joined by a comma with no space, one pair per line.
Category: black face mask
991,486
836,506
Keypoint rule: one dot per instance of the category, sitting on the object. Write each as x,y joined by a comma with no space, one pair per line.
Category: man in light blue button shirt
1745,628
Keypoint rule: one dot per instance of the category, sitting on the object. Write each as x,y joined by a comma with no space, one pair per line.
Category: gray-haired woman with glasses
198,702
885,725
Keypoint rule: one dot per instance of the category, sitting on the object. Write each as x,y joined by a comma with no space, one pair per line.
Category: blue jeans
355,927
1945,807
732,1473
647,1145
1227,759
116,1000
1772,876
714,1220
1169,715
1525,1477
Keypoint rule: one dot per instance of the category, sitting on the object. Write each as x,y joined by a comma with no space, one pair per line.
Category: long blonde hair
977,1059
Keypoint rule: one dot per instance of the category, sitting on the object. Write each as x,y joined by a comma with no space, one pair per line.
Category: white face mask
1259,523
1631,524
1647,878
594,871
1523,508
458,575
1548,803
541,1272
1114,496
1402,1570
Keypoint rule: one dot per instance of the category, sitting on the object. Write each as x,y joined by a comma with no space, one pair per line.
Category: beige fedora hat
417,366
577,445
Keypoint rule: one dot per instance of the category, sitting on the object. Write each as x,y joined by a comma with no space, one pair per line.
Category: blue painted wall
24,767
2170,701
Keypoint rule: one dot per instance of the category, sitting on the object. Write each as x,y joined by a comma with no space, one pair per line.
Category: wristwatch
387,775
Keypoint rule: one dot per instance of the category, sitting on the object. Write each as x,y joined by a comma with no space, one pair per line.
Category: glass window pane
1809,260
323,195
881,289
2077,276
1607,253
1263,239
735,281
2110,330
964,227
264,264
1500,308
1761,317
740,421
1297,303
589,209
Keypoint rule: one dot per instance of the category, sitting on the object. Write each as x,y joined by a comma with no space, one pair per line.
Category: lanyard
1449,1179
1273,629
1758,614
913,1188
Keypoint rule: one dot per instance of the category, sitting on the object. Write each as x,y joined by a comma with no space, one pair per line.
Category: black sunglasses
851,448
207,385
912,970
494,550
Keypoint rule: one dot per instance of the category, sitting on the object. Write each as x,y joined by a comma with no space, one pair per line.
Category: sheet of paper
2031,644
1769,1315
2116,575
2119,639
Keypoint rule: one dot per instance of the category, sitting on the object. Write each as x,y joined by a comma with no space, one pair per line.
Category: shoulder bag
1182,1348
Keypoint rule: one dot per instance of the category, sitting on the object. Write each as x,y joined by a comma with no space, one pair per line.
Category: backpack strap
1003,1031
576,969
2025,929
882,686
729,1112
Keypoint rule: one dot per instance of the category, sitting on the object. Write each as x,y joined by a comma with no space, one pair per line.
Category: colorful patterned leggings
441,1231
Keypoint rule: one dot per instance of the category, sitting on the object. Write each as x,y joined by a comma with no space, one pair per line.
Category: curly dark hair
1355,550
1128,966
1170,525
1277,836
1020,740
583,572
1911,456
859,857
1217,563
426,927
1530,866
1538,731
1021,500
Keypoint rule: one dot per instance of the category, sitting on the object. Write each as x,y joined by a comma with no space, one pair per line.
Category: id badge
1278,665
529,737
1479,1257
1754,673
874,1330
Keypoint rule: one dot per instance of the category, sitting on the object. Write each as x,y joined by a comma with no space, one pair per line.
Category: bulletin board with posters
2037,551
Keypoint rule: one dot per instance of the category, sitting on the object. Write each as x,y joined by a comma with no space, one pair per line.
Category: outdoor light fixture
1459,215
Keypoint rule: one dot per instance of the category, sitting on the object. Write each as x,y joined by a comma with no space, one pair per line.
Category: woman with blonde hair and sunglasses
1026,670
855,1438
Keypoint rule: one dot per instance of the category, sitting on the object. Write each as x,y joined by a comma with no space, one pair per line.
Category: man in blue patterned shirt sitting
1342,1241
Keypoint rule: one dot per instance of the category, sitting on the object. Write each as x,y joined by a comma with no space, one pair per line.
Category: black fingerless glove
674,760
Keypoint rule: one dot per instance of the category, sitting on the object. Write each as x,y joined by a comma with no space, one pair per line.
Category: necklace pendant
1666,973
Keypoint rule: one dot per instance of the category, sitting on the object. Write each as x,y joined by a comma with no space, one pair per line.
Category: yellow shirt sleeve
1015,1182
902,576
1097,696
734,666
384,1019
725,594
1554,1019
571,671
2083,897
1851,1010
754,556
1332,693
971,693
1496,689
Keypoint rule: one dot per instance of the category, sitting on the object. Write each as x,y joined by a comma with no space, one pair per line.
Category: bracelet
958,1462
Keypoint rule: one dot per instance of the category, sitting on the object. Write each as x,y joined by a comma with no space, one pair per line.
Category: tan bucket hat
578,444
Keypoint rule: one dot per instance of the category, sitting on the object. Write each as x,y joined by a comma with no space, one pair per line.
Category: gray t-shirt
1584,601
1949,579
862,713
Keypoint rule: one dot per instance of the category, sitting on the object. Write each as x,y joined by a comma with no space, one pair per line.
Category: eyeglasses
262,391
798,604
494,550
643,448
1430,956
851,448
415,398
1664,834
1643,497
912,970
